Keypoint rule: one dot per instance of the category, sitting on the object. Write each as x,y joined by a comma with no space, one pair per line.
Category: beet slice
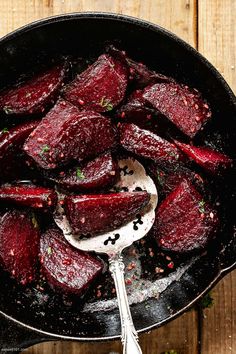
31,196
34,95
184,221
12,159
67,269
136,110
67,134
103,212
147,144
101,172
211,160
181,105
19,245
101,86
142,76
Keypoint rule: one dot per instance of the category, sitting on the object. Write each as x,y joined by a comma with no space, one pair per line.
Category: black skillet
85,34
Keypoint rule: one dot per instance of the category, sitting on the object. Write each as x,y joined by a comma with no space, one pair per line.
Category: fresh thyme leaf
49,250
106,103
5,130
45,148
207,301
159,178
79,174
201,206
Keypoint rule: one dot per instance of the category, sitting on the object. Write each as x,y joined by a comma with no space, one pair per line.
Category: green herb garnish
34,221
160,178
207,301
173,154
5,130
45,148
49,250
80,174
201,206
106,103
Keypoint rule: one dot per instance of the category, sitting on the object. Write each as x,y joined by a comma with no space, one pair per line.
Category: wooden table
209,26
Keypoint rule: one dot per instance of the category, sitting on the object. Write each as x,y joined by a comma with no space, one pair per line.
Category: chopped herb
173,154
7,110
201,206
34,221
106,103
5,130
49,250
159,178
79,174
207,301
45,148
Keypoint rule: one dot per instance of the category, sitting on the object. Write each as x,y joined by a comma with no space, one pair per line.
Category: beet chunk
67,269
101,86
67,134
211,160
31,196
101,172
142,76
19,245
181,105
103,212
34,95
12,159
184,221
147,144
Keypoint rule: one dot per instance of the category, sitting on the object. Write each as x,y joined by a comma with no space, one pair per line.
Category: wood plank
217,39
179,17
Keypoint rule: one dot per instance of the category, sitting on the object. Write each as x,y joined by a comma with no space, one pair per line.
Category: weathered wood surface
209,26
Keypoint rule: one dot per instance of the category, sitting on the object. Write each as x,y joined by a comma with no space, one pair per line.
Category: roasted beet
67,134
181,105
99,173
184,220
211,160
12,160
146,144
136,110
67,269
142,76
31,196
34,95
101,86
19,245
103,212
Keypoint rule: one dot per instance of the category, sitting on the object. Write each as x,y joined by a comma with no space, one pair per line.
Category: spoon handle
129,336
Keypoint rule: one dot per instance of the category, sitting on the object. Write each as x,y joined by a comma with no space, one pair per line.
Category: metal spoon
133,177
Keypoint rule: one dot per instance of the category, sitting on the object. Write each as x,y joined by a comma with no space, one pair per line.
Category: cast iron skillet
23,324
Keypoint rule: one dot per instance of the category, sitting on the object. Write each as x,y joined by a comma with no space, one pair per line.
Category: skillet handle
14,337
228,257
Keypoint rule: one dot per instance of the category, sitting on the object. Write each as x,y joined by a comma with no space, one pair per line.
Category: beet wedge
89,214
149,145
184,220
183,106
211,160
101,87
100,173
66,134
12,159
19,245
31,196
141,76
36,94
67,269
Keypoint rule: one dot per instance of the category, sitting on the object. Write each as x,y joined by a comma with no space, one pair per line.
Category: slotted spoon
133,177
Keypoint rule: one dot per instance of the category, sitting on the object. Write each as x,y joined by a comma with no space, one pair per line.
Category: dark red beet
34,95
101,86
67,134
181,105
146,144
101,172
31,196
103,212
67,269
211,160
184,221
19,245
12,160
136,110
142,76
